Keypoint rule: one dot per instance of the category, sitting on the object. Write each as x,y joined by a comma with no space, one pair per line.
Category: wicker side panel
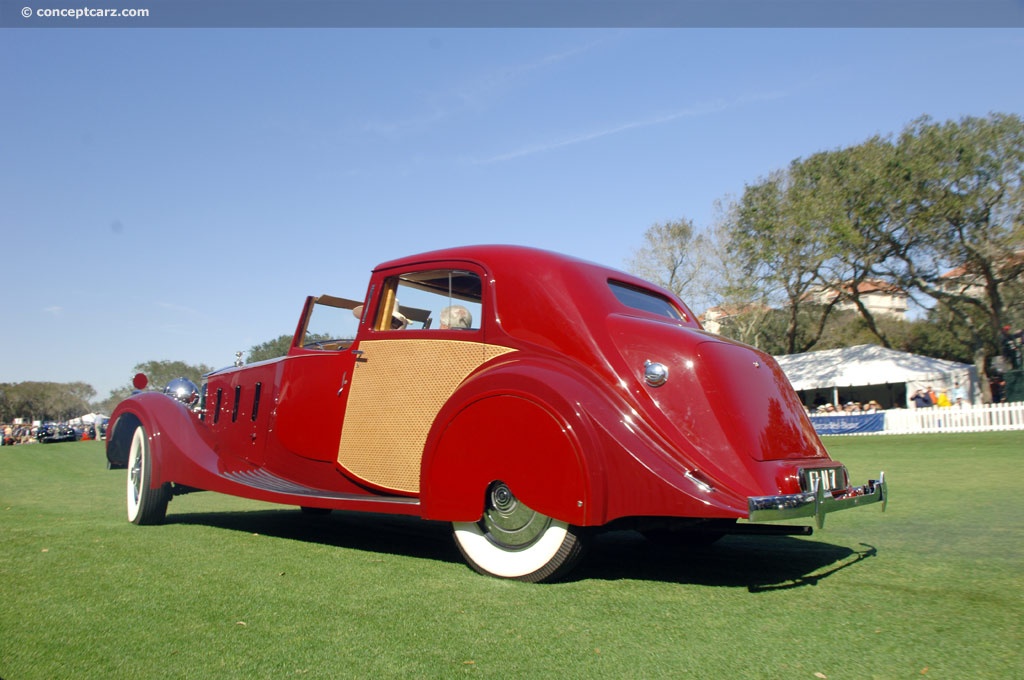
395,394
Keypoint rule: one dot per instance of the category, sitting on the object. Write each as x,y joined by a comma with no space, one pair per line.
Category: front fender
119,437
170,427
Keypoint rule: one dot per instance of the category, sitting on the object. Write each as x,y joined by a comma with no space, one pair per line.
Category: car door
313,381
409,362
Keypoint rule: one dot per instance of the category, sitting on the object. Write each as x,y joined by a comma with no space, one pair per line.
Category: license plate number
829,479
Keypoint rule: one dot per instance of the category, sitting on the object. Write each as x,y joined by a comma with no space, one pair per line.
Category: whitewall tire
145,505
513,541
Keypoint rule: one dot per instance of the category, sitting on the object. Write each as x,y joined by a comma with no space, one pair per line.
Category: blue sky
175,194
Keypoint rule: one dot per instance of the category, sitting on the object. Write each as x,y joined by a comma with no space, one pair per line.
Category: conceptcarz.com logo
81,13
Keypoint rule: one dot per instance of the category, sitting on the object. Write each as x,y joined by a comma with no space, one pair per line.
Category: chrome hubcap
509,523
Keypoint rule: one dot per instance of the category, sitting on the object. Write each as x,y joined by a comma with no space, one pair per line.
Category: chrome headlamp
183,390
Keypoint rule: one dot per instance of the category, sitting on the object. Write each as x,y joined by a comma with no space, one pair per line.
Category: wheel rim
509,523
512,540
135,473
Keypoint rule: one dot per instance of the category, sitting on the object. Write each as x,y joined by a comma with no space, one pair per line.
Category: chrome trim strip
817,503
268,481
700,483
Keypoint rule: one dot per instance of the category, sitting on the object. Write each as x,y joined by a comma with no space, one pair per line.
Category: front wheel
145,505
513,541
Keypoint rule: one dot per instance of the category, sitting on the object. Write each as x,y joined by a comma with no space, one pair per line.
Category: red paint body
562,415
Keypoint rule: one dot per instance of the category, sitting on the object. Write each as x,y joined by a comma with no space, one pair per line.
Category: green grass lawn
232,588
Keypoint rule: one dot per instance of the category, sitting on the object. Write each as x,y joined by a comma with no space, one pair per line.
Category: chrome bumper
817,503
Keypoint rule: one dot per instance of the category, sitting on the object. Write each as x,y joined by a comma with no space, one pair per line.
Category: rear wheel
145,505
513,541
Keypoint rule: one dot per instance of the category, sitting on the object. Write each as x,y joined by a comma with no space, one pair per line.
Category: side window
332,323
436,299
645,301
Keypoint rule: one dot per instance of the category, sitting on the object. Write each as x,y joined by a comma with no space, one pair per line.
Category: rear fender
565,447
517,428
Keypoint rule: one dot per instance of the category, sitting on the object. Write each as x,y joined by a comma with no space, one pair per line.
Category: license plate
829,479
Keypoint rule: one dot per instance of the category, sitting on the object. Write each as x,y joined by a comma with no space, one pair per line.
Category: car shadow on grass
368,532
757,563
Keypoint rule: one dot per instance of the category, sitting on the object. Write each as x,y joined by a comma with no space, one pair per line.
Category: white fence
982,418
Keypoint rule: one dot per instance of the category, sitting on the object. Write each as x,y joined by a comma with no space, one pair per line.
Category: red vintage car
526,397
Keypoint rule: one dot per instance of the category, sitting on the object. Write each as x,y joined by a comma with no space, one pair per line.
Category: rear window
645,300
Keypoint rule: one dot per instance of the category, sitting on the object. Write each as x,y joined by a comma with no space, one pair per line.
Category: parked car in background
16,434
526,397
49,433
97,430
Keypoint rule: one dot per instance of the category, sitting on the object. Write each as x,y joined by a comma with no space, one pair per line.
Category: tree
115,397
957,231
675,257
700,268
937,213
739,303
160,373
45,400
781,243
941,335
846,193
270,349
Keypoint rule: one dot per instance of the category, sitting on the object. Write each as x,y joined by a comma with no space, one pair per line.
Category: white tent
87,419
871,372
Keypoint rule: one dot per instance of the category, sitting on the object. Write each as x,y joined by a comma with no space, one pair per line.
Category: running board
268,481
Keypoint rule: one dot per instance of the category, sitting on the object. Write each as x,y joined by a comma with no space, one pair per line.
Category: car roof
544,296
514,260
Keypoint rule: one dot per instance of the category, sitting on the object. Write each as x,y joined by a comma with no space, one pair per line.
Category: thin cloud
53,310
708,108
480,92
474,95
177,308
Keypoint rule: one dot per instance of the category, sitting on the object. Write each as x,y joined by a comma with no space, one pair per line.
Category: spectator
1013,347
998,387
959,395
457,317
921,400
